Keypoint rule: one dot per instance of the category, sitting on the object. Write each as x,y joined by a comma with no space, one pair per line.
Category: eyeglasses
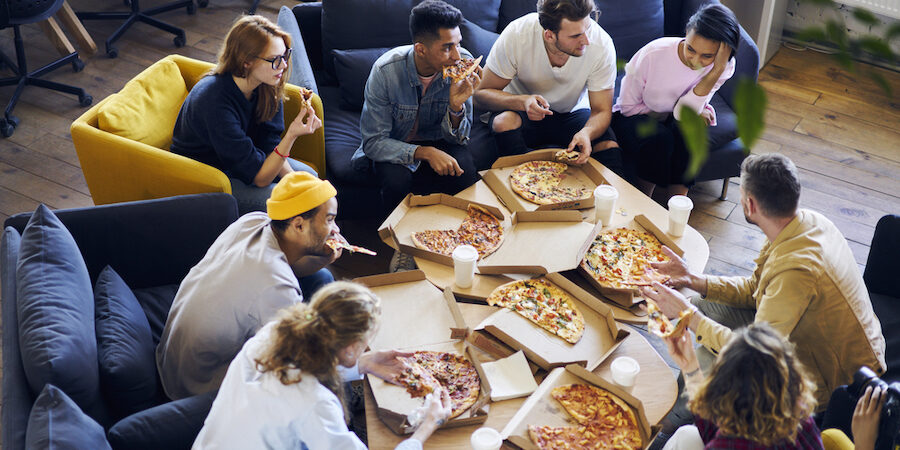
278,60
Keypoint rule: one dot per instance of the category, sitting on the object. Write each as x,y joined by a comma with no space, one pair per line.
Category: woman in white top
664,76
284,389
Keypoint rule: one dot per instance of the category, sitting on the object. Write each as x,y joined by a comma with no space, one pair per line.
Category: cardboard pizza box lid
541,409
394,405
428,212
545,241
413,311
586,176
601,333
629,297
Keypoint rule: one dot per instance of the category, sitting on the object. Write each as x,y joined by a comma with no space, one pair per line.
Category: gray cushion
56,311
301,71
633,27
352,68
477,40
56,422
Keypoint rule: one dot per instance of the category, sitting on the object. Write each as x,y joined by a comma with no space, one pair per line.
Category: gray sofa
344,37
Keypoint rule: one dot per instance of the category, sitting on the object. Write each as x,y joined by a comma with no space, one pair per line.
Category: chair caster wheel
112,52
7,127
85,100
179,41
77,65
191,9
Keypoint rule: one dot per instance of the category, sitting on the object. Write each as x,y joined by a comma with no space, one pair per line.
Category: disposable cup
605,197
624,370
679,211
486,438
464,258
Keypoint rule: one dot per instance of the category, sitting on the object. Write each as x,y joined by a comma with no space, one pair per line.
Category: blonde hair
245,42
757,389
309,337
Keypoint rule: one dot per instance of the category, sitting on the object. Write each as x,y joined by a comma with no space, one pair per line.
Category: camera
889,427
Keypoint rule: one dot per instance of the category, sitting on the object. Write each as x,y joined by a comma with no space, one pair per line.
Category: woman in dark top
233,118
757,395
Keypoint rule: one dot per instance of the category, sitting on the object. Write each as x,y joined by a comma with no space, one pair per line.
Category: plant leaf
646,128
877,47
893,31
812,34
693,130
865,16
837,33
750,109
620,64
882,82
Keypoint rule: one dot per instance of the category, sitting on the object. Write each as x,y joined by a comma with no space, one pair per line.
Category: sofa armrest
17,398
150,242
311,147
174,425
309,19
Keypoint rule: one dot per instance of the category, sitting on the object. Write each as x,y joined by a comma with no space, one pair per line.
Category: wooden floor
840,129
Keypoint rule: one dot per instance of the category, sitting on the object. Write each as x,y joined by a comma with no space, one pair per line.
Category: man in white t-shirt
549,80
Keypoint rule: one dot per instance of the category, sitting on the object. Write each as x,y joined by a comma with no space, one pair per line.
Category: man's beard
570,53
746,217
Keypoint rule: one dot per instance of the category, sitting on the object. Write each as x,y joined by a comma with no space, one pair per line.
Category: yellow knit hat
297,193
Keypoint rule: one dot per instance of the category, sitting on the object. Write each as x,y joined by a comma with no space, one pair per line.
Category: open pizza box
542,409
415,315
585,176
541,242
601,333
624,296
428,212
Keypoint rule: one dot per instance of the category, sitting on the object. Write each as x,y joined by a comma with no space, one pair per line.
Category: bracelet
692,373
462,111
279,154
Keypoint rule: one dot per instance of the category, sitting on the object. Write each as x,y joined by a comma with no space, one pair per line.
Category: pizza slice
660,325
553,438
480,229
462,69
548,306
306,97
417,381
454,373
565,156
339,242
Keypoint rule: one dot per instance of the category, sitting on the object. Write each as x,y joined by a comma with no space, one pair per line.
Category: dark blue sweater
216,126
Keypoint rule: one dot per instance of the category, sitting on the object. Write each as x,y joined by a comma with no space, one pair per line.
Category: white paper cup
464,258
605,197
624,370
680,208
486,438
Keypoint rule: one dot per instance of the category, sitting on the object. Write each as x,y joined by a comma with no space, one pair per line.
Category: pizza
565,156
660,325
538,182
462,69
306,97
429,371
604,421
480,229
621,259
339,242
541,302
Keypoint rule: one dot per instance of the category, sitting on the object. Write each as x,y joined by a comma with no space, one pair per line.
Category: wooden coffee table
655,386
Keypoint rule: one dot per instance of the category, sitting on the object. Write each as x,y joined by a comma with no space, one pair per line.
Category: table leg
68,18
55,33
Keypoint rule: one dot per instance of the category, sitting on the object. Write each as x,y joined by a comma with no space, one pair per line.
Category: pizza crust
660,325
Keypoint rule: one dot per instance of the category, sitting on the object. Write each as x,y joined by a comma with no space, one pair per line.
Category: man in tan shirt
806,284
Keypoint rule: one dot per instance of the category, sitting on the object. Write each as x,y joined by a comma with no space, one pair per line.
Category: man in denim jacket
412,114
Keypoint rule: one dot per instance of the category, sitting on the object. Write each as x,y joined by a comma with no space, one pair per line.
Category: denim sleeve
461,134
375,125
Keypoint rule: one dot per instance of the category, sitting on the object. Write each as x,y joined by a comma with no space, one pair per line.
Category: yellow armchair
126,163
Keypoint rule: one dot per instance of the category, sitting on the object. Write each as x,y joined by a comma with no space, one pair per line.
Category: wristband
279,154
462,111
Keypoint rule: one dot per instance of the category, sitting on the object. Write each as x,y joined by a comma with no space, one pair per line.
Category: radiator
890,8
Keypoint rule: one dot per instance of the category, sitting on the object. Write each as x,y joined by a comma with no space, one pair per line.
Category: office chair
14,13
138,15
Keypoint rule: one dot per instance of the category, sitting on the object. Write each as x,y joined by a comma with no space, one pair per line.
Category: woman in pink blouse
665,75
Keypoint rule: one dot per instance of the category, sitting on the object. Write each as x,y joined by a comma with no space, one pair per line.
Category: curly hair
245,41
309,337
757,389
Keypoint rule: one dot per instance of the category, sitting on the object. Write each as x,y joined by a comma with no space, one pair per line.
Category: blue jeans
312,283
253,198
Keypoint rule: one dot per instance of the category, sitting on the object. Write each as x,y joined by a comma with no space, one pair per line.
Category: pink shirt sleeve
698,103
630,101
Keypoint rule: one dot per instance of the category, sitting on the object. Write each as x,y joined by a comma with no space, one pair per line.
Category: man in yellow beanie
258,265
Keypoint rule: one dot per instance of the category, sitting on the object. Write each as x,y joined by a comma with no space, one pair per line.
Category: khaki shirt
808,287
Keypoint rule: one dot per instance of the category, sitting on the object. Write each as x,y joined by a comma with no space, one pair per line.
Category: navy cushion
56,422
477,40
173,425
352,68
633,27
513,9
156,303
350,24
17,396
56,312
124,347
